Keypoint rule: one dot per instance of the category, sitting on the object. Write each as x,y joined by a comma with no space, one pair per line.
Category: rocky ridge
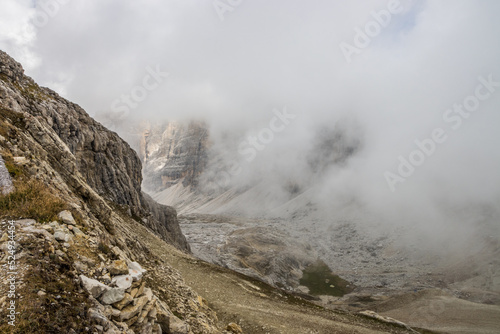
95,162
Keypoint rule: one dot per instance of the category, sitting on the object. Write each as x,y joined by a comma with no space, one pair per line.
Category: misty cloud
233,73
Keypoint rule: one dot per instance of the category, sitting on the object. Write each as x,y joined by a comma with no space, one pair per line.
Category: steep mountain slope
82,150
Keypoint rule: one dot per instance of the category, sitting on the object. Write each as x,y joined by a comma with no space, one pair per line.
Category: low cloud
353,119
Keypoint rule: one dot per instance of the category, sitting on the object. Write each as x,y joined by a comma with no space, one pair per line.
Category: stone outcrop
122,304
93,287
6,185
66,217
163,213
90,159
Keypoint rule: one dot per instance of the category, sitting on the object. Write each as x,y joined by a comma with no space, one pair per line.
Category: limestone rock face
53,143
5,179
83,151
173,152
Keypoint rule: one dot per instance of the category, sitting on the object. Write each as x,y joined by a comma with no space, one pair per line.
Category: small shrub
103,248
15,170
14,117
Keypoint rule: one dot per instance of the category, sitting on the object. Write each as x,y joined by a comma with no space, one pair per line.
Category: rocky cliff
173,152
71,210
82,150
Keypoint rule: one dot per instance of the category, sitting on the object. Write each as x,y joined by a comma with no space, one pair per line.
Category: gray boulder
92,286
6,186
113,295
66,217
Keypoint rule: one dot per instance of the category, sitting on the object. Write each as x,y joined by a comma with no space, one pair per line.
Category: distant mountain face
173,152
185,164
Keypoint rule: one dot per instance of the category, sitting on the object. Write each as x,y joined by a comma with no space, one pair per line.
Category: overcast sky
232,62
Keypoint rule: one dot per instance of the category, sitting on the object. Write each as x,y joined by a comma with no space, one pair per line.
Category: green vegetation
104,248
31,198
10,121
14,170
29,89
321,281
14,117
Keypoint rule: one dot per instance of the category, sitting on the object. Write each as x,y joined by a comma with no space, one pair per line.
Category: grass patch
15,171
10,122
321,281
29,89
13,117
31,199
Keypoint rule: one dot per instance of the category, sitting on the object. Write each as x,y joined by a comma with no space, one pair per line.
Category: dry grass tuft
31,199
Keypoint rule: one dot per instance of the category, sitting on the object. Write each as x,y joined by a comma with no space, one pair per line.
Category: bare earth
441,312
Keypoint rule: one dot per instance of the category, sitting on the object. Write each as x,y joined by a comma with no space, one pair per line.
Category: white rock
148,293
112,296
39,231
66,217
92,286
122,281
55,225
6,186
136,266
20,160
26,222
76,231
61,236
136,271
